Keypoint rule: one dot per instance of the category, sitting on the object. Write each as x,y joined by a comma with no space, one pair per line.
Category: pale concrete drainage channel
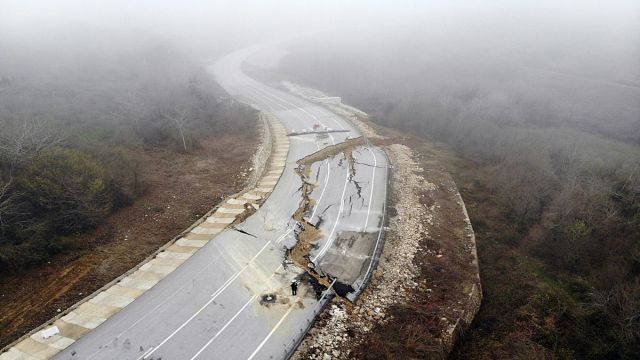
60,332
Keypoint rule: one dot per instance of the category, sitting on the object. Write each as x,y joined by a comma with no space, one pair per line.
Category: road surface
232,299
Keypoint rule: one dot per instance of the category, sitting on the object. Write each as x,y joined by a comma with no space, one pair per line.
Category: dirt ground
181,188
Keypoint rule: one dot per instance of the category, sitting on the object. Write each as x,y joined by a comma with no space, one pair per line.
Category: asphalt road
232,300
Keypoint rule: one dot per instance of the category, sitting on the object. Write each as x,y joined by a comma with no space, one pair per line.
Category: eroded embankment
308,234
426,288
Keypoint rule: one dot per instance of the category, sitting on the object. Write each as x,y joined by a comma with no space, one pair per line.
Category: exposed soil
333,150
307,234
181,188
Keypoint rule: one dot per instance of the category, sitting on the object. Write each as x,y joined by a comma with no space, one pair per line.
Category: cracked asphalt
232,299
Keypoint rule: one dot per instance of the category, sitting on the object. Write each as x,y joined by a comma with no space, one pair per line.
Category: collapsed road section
343,258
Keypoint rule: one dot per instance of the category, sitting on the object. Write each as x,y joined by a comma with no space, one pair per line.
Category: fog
480,43
538,101
588,37
580,59
210,23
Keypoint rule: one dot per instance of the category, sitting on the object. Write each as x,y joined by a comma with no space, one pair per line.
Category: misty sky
605,32
198,19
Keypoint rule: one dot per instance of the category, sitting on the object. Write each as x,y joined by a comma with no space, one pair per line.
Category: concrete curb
474,297
97,307
261,156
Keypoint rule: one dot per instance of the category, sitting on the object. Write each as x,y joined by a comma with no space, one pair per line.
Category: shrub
68,188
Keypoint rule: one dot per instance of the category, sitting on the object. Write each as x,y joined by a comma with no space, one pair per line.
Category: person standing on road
294,288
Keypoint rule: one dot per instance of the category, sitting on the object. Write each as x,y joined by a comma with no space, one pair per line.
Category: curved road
231,300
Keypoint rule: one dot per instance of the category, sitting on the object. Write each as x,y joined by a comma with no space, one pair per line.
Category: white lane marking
373,182
291,308
230,281
234,277
384,213
224,327
326,182
329,241
146,355
146,352
335,224
326,179
214,295
272,331
253,298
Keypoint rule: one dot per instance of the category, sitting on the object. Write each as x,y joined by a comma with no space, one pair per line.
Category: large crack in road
308,234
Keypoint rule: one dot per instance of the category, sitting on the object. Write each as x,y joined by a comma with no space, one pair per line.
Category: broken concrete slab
349,256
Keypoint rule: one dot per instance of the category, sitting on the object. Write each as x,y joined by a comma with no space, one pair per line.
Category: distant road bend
232,299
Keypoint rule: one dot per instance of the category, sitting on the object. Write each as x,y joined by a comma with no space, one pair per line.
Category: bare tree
28,138
622,304
178,115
